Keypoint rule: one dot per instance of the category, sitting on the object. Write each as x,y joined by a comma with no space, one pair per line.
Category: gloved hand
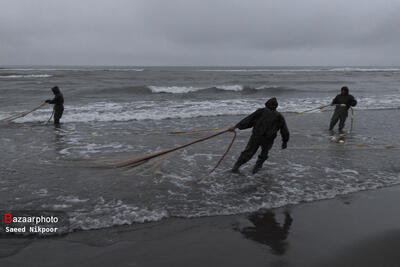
232,129
47,101
284,145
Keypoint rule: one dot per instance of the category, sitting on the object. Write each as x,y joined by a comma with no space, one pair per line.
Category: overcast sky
200,32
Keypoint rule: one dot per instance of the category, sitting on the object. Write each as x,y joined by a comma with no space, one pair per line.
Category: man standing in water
266,122
343,102
58,102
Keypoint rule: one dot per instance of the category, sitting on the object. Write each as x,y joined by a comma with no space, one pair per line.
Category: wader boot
258,165
237,165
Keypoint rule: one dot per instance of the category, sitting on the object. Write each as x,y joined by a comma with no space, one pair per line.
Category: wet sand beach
361,229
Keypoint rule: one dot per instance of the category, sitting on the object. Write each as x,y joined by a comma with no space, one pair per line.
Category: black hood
345,90
55,90
272,103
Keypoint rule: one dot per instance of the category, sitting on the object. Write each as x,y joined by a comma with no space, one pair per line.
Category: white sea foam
41,192
174,89
85,150
283,189
190,89
269,87
71,199
350,69
124,69
106,214
339,69
231,87
221,195
56,206
72,69
25,76
140,110
260,70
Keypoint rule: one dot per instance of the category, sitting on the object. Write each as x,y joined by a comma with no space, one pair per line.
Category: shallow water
45,167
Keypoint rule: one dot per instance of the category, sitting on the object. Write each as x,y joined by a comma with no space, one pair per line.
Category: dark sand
361,229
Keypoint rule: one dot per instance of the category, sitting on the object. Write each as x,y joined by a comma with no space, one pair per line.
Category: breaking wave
15,76
183,89
191,89
182,109
261,70
348,69
226,197
72,69
339,69
113,213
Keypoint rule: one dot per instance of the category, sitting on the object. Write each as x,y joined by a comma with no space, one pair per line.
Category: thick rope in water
22,114
47,122
226,152
352,120
139,161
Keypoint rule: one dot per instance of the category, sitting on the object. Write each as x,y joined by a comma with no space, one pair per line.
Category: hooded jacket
266,122
58,99
344,98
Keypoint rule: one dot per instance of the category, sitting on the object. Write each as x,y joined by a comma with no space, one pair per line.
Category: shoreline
358,229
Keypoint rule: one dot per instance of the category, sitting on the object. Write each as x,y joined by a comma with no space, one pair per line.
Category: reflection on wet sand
268,231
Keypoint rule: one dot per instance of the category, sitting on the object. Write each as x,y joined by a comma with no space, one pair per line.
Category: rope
226,152
22,114
352,120
320,107
141,160
47,122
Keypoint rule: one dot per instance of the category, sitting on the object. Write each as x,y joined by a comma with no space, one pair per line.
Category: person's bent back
266,122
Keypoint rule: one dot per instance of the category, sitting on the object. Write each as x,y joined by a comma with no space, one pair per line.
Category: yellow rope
320,107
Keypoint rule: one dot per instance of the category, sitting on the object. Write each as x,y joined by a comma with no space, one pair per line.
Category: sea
121,112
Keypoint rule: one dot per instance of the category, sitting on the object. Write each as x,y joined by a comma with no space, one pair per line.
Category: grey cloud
184,32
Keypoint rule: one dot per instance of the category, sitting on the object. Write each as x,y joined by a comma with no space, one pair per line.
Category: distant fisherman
343,102
58,102
266,122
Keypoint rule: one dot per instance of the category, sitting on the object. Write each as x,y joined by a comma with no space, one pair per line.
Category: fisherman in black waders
266,122
343,102
58,102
